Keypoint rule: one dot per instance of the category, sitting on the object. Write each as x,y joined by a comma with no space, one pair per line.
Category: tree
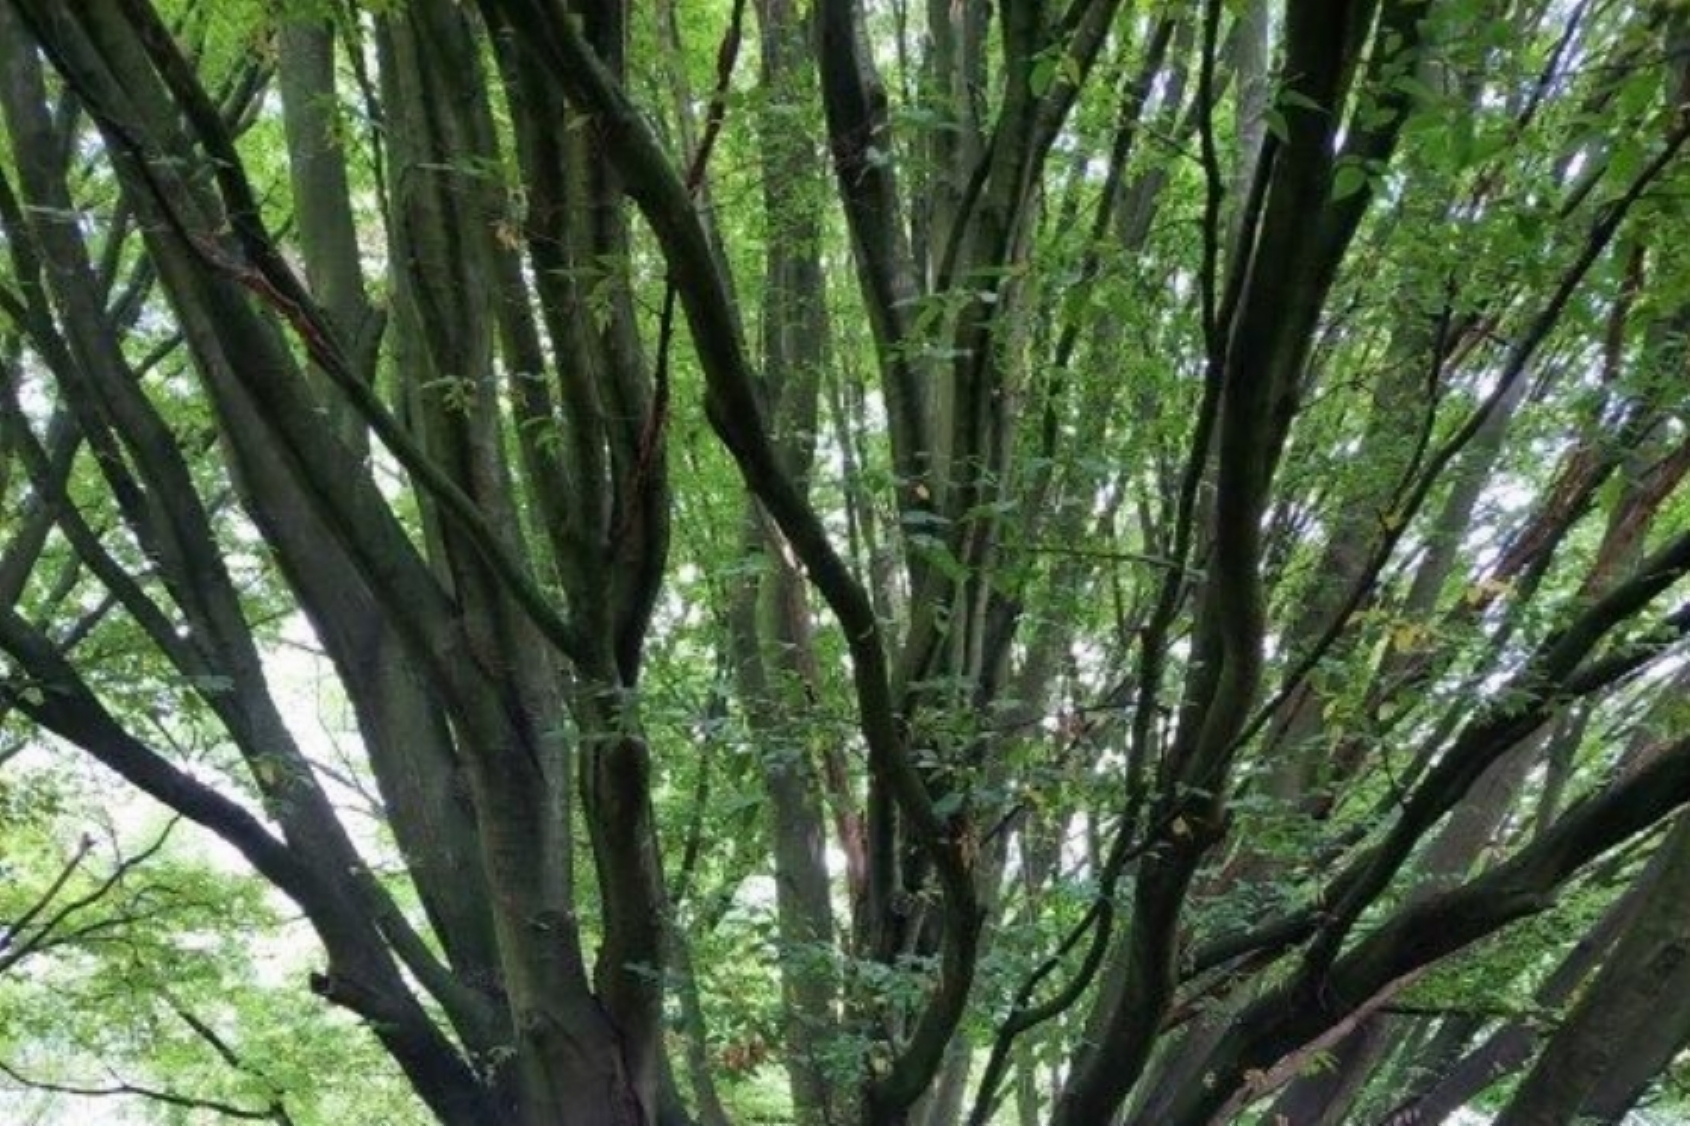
1173,522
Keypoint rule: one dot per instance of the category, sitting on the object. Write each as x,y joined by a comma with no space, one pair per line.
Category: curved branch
732,407
136,1090
12,951
264,271
1285,1018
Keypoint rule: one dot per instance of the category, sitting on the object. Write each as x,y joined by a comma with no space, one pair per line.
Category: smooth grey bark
949,443
409,741
470,616
776,676
1283,1018
321,191
1326,1098
189,555
1632,1015
942,1104
706,1097
1456,1077
1636,1073
1256,357
548,995
770,627
1615,555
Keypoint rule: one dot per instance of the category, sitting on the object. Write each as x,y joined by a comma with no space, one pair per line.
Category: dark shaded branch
137,1090
1293,1014
12,950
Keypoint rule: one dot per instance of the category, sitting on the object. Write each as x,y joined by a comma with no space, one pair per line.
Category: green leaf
1042,75
1347,181
1299,100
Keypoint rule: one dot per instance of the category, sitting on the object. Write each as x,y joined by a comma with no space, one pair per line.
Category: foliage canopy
845,562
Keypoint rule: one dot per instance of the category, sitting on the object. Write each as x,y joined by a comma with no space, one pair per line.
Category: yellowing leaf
1409,635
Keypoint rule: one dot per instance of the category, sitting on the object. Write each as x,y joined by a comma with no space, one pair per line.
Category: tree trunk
1619,1021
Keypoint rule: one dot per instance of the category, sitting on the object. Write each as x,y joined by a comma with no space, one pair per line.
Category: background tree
1123,546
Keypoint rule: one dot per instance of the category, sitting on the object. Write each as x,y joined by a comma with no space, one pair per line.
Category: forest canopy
589,563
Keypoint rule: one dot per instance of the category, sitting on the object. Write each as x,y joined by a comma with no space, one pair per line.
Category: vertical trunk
1326,1098
778,676
942,1105
796,828
1621,1015
1455,1077
327,228
711,1112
